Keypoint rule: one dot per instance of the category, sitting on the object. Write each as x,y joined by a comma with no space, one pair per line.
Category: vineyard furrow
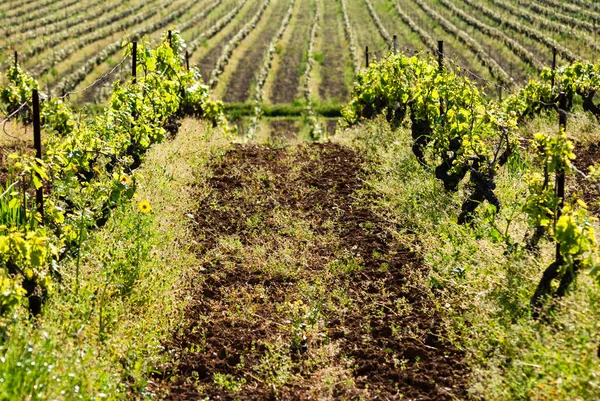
285,83
545,23
551,13
51,42
242,70
59,20
529,32
196,42
70,82
492,65
350,37
40,12
495,33
73,23
365,32
211,43
335,76
26,8
265,69
429,42
199,17
570,8
316,130
63,53
234,43
382,31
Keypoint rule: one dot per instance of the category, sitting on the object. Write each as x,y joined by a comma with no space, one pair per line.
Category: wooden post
560,174
367,56
16,58
395,43
440,51
187,60
499,94
170,39
134,63
553,64
37,142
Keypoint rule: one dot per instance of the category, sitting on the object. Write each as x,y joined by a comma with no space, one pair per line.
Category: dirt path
303,294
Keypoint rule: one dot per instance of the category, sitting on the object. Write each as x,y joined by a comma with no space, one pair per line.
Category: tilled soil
287,76
303,292
335,54
240,83
209,60
284,129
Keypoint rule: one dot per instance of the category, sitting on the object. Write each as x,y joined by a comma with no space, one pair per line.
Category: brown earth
373,332
287,78
586,157
209,61
284,129
335,54
331,126
240,83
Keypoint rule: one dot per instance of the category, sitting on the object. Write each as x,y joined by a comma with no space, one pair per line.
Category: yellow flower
97,170
125,179
145,207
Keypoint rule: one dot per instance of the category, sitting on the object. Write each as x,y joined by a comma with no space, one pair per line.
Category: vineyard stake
367,56
134,63
560,175
170,40
37,141
499,94
187,60
16,58
395,42
440,51
553,64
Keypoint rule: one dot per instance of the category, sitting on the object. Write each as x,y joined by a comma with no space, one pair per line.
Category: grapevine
88,164
493,67
521,29
449,115
350,36
424,35
234,43
216,28
266,68
513,45
384,33
316,130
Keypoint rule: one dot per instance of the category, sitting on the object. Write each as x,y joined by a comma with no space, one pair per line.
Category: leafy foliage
88,163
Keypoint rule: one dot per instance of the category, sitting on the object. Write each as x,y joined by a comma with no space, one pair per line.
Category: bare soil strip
293,57
588,156
303,294
241,81
209,60
335,53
